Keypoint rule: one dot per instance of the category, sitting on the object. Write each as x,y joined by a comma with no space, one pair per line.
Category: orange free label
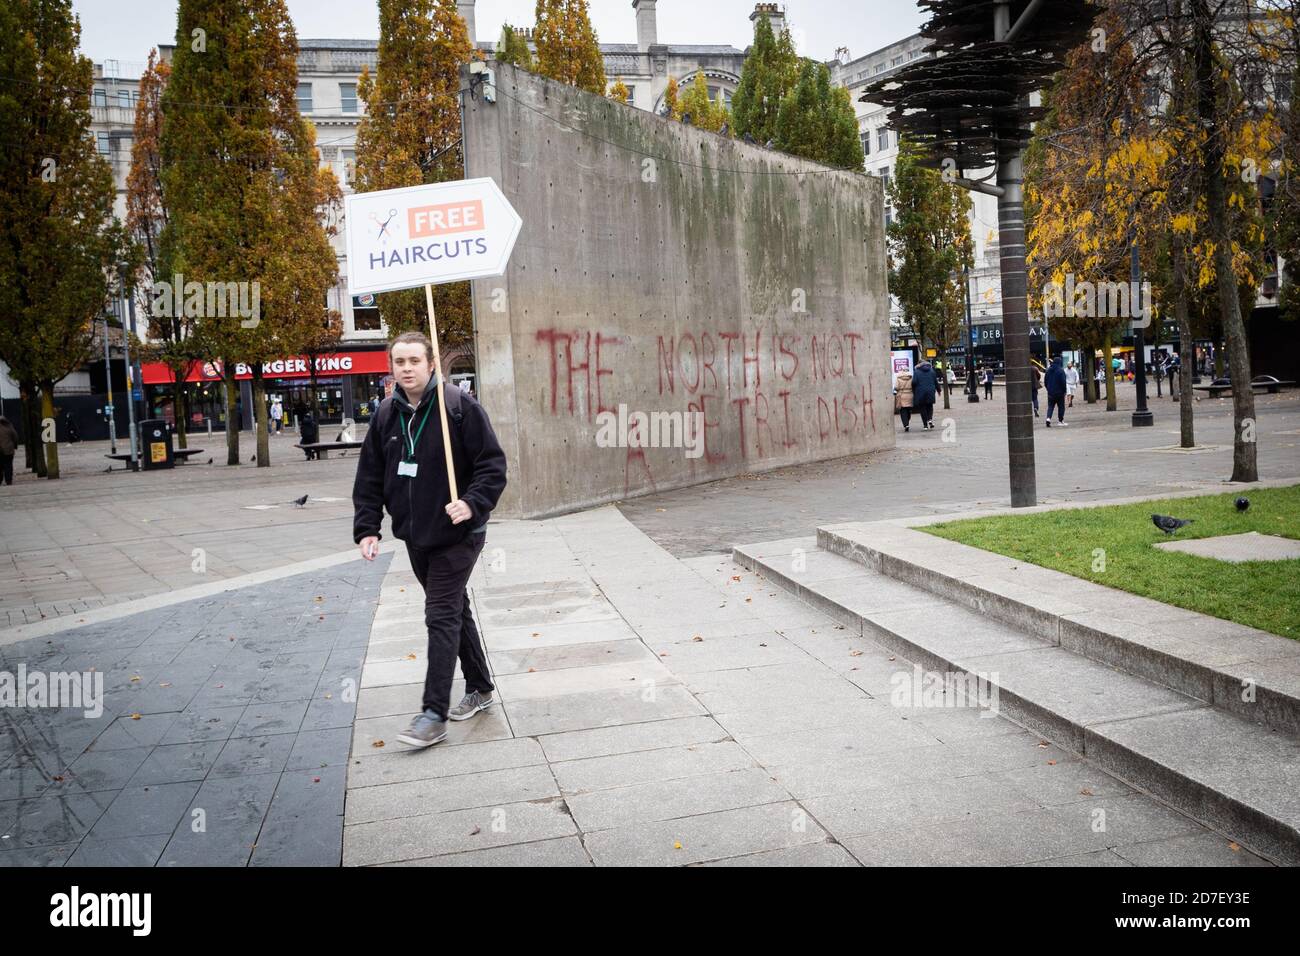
445,218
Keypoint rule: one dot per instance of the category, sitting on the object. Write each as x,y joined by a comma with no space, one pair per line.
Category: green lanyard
411,443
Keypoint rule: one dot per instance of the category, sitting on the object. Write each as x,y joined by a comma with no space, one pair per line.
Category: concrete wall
661,268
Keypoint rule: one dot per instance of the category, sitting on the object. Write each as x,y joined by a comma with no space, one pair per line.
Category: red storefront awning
327,366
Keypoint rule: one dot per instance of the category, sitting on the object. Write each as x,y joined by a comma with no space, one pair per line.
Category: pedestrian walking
8,446
277,414
444,538
988,382
308,434
1036,384
1057,383
925,386
1071,384
903,399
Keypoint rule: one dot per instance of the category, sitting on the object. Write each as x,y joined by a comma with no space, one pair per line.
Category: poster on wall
900,361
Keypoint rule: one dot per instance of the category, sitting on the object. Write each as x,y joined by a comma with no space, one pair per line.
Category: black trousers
988,389
1057,402
6,469
444,573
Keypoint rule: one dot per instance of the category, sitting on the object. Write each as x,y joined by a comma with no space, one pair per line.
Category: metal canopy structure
968,107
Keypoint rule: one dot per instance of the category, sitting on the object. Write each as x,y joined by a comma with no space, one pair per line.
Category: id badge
407,469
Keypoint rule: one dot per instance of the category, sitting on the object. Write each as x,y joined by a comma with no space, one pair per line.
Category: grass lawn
1262,594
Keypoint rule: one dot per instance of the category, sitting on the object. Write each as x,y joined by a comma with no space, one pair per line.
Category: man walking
8,446
988,382
408,476
1071,385
1056,386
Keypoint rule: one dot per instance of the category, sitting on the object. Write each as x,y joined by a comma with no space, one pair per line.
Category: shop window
365,313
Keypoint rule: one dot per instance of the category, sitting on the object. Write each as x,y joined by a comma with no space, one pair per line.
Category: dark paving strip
224,737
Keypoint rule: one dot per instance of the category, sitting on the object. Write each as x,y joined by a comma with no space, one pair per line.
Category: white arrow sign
428,235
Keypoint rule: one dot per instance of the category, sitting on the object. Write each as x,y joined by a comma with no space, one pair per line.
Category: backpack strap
453,395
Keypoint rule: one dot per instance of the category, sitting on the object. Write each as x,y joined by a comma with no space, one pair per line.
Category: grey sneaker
425,731
471,704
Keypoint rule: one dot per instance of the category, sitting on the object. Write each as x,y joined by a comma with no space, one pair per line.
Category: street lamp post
1142,415
972,388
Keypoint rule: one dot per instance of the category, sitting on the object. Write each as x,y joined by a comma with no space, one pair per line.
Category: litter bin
156,442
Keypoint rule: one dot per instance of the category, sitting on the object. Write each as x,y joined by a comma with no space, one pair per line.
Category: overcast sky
124,30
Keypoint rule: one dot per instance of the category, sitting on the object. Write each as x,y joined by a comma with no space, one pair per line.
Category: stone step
1242,670
1230,773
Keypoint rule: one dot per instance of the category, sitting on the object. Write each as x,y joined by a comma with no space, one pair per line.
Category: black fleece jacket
418,505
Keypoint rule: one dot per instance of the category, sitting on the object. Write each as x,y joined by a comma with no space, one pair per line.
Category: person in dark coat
8,446
925,386
308,434
1056,389
1036,384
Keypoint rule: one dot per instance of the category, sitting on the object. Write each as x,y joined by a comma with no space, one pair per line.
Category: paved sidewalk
223,739
675,712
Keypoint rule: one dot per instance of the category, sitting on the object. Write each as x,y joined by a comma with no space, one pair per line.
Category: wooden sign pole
442,397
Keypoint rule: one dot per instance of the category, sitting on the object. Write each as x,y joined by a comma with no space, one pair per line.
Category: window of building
99,98
304,97
882,138
865,136
348,96
896,61
631,95
101,143
124,99
365,313
880,68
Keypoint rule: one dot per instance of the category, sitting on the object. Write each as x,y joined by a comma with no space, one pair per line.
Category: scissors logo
383,233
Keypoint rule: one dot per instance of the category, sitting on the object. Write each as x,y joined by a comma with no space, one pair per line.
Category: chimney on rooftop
647,30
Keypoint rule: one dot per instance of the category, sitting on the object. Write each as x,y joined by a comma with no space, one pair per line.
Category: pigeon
748,138
209,461
769,144
1169,525
300,501
1242,504
254,458
726,128
686,119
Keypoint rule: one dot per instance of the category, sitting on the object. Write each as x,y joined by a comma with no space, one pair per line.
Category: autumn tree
58,240
929,244
243,188
620,92
567,48
672,101
816,121
701,109
146,216
410,136
513,48
770,72
1070,171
